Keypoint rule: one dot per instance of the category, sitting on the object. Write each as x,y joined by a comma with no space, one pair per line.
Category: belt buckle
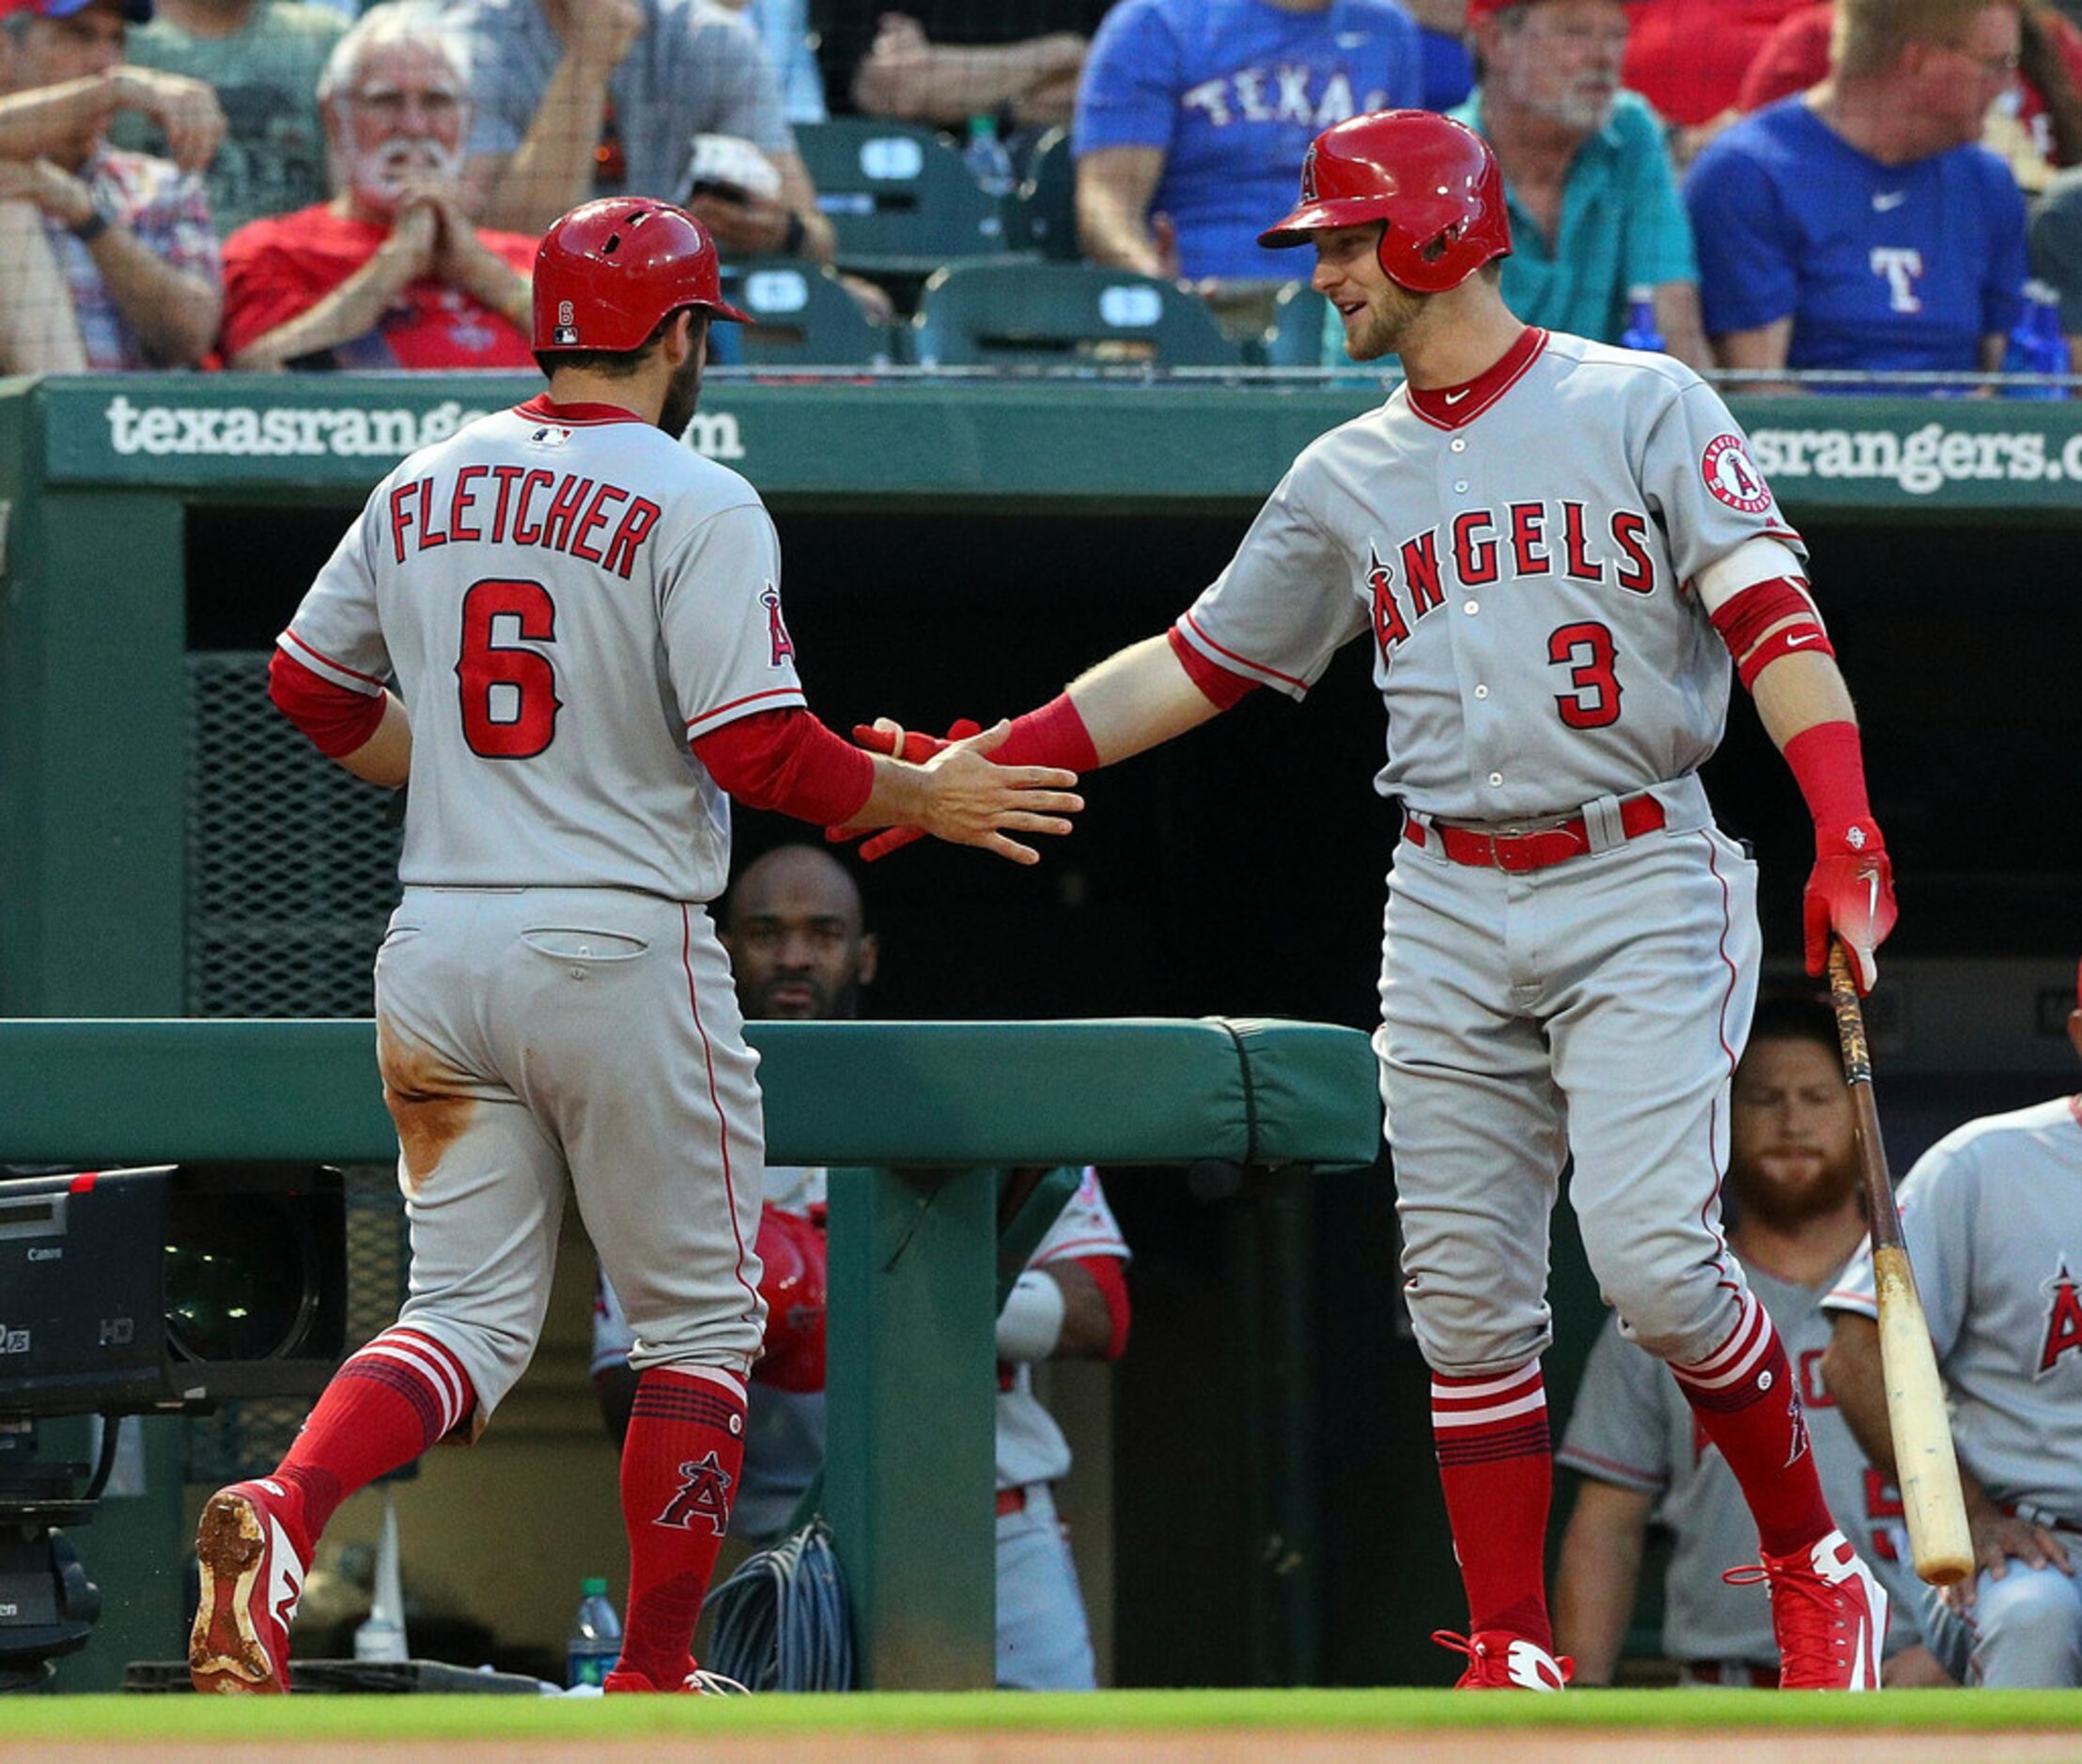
1514,852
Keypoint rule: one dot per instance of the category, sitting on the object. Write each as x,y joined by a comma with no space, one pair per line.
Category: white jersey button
1460,484
1482,691
1495,778
1460,443
1471,606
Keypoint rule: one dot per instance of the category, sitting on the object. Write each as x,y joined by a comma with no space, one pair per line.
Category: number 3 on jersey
508,691
1586,650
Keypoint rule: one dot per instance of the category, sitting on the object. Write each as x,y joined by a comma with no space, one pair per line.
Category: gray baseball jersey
1522,553
1992,1216
1525,575
1632,1427
566,598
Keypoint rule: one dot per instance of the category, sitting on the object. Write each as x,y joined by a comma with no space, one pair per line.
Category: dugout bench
913,1119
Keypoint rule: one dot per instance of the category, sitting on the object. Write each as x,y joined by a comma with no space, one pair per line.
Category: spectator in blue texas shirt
1859,224
1194,117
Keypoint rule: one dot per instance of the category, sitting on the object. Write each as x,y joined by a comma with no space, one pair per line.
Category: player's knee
1462,1339
2037,1612
1681,1320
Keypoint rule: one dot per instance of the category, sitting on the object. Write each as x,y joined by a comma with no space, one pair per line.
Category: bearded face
399,124
1793,1150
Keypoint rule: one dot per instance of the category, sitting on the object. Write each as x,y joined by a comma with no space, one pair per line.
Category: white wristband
1031,1321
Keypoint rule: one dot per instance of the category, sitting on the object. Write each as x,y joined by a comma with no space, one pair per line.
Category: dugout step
353,1678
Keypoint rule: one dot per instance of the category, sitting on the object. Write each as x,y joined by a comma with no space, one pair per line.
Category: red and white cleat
252,1583
1829,1615
698,1682
1499,1661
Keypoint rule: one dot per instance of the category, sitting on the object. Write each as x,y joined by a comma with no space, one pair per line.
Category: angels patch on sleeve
1731,476
781,648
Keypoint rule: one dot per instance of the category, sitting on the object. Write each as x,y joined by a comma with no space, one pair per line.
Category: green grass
231,1719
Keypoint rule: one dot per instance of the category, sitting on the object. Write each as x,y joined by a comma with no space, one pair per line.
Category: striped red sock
1498,1469
1745,1395
388,1403
680,1461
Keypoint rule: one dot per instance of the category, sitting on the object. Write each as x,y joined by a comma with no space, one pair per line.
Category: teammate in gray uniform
1992,1216
584,620
1799,1216
794,931
1552,548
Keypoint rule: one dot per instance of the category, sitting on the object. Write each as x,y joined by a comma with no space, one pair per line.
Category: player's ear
871,956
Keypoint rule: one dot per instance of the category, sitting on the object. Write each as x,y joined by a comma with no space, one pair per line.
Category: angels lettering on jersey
2062,1335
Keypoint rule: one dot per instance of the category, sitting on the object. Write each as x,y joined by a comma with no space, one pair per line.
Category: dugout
170,848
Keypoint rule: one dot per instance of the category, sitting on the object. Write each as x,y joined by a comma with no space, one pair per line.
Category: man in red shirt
391,272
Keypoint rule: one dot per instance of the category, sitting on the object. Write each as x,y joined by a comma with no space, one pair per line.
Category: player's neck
1801,1252
1458,337
633,393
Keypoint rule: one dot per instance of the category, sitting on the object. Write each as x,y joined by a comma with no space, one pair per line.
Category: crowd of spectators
1771,186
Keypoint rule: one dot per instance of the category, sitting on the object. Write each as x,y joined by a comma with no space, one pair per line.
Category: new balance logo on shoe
286,1575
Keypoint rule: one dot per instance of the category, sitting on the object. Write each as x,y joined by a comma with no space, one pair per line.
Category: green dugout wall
961,549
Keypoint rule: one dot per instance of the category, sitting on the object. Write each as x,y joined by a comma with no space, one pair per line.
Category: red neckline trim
542,405
1456,407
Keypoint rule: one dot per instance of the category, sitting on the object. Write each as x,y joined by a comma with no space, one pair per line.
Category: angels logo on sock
704,1493
783,647
1797,1415
2064,1320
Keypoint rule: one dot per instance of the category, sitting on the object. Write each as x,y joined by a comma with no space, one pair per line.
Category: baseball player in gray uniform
1992,1216
584,620
1799,1217
1552,548
793,928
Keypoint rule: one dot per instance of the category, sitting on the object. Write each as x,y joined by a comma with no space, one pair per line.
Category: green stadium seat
1061,314
1295,338
1043,218
899,194
802,316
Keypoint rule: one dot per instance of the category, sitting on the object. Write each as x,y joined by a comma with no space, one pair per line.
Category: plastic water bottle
2037,344
596,1640
1640,332
988,161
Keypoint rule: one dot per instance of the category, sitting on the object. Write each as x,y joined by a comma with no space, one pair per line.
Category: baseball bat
1925,1466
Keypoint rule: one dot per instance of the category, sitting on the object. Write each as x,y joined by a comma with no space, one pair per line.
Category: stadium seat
1295,338
1045,216
898,195
1061,314
801,317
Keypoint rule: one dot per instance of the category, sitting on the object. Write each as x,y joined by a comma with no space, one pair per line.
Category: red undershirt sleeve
337,718
1110,1273
789,761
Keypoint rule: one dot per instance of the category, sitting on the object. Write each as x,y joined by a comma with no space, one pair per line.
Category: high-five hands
887,736
955,792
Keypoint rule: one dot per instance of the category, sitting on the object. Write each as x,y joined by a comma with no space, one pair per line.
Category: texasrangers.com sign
345,431
1922,460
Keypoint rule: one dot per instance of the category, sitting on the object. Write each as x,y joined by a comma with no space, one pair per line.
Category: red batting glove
1849,892
914,746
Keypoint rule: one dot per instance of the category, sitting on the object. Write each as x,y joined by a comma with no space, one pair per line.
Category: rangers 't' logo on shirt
1731,476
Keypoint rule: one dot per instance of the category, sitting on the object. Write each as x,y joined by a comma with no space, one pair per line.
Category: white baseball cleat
1828,1612
252,1583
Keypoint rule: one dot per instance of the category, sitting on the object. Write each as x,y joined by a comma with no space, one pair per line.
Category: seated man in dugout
391,272
107,259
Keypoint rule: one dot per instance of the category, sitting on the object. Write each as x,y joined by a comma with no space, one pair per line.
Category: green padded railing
913,1117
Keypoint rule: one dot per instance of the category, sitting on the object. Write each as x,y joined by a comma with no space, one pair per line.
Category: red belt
1011,1501
1714,1672
1516,852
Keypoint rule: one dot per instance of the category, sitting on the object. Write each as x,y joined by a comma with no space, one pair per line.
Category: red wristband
1053,735
1829,762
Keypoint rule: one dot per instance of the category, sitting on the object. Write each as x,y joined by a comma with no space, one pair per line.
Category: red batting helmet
609,270
793,1284
1434,180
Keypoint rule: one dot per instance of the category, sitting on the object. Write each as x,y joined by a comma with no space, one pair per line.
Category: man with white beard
391,272
1594,210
